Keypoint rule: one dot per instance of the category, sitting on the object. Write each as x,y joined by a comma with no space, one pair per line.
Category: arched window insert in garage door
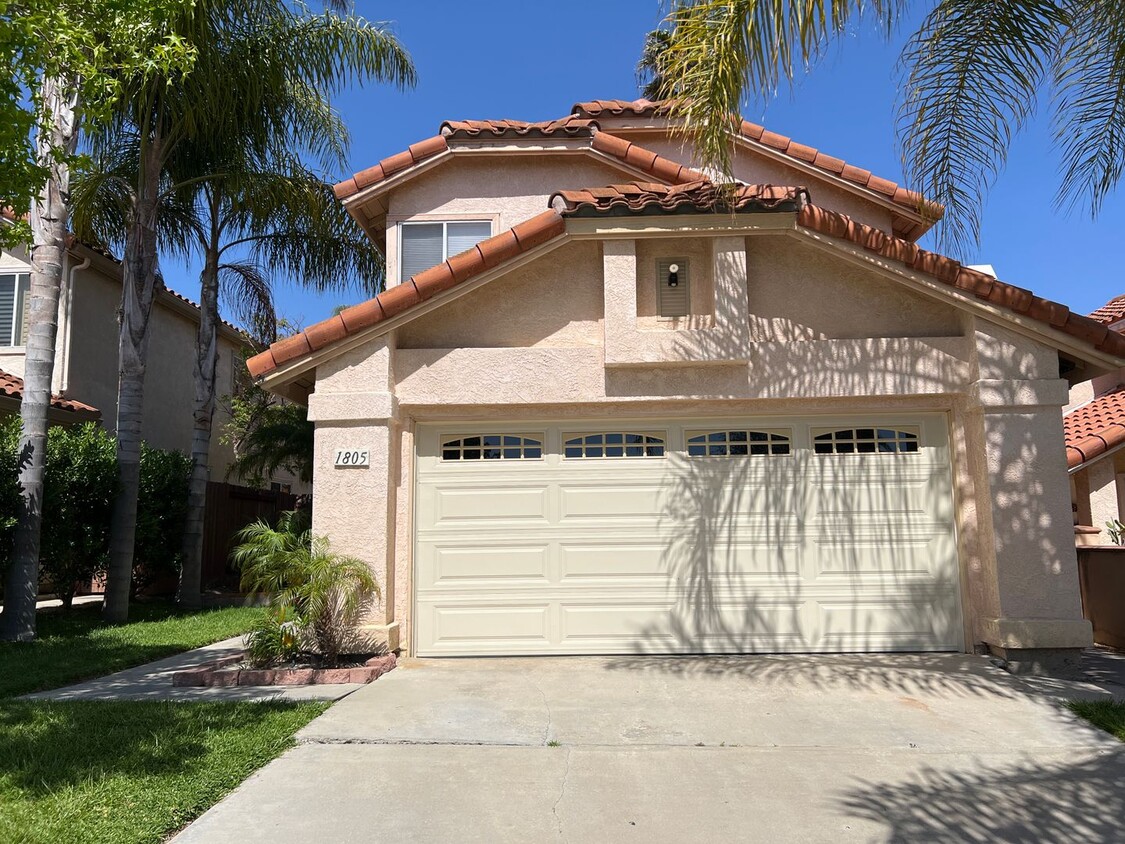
865,441
493,447
614,444
736,443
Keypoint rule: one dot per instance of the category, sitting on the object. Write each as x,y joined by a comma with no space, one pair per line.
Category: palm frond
972,71
721,50
1089,108
245,290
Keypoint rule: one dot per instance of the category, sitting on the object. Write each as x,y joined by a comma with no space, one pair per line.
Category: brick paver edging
218,674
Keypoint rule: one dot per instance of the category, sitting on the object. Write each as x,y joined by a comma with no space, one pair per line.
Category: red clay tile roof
629,153
951,273
691,198
12,385
1111,312
655,199
427,284
1095,427
785,145
414,154
570,125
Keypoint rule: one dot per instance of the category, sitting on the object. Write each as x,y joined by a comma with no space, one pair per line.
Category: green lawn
129,771
74,646
1108,715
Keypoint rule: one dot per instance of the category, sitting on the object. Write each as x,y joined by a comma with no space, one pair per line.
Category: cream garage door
701,536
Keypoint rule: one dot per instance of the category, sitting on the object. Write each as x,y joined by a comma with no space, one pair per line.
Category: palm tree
67,54
246,52
274,435
973,74
252,222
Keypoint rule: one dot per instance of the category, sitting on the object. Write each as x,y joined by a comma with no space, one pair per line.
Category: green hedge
79,489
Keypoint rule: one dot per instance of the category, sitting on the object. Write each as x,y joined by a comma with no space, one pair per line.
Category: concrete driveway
864,748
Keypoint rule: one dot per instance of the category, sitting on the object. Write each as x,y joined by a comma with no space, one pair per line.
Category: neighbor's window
736,443
865,441
492,447
615,444
15,294
673,287
425,245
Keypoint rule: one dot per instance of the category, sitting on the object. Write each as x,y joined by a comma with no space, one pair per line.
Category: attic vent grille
673,287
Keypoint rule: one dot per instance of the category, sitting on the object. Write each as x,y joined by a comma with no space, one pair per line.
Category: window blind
422,248
464,236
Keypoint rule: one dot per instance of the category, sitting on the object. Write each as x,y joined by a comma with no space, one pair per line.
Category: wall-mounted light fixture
673,275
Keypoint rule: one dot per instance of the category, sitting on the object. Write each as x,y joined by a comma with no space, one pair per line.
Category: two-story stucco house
86,351
605,407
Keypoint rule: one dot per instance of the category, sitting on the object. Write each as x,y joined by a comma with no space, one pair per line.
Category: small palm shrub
316,595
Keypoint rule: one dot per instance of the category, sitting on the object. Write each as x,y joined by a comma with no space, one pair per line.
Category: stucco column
1102,479
1038,609
353,408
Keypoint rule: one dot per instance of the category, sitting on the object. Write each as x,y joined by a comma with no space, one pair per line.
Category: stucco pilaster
353,408
1035,604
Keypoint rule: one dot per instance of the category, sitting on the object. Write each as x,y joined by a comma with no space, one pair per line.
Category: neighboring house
597,412
86,349
61,411
1094,424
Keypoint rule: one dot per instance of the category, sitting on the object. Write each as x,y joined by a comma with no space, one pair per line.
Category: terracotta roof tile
425,285
759,134
950,272
1111,312
571,125
1094,428
691,198
389,166
12,385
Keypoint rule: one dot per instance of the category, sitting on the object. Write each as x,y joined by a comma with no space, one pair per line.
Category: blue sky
532,60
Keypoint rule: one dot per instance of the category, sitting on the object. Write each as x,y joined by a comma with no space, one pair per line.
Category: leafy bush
326,592
276,638
79,488
162,509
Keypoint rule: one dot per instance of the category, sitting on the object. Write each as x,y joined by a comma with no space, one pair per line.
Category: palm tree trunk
138,292
203,413
49,216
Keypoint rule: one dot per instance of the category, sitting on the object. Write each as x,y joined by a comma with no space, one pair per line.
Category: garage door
699,536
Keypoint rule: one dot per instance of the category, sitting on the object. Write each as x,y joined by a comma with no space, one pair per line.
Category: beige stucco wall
826,337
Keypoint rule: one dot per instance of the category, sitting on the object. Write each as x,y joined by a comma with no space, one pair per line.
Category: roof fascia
659,225
287,372
1086,464
935,289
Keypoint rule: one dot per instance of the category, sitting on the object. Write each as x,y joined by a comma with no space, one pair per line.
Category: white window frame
784,437
533,441
444,223
662,436
20,301
913,435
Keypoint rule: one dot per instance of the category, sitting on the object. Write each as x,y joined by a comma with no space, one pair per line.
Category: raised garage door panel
820,544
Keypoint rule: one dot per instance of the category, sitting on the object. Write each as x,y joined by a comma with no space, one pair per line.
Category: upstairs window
866,441
425,245
15,295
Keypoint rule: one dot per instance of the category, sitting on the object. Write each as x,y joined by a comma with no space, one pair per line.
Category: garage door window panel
737,443
613,444
874,440
493,447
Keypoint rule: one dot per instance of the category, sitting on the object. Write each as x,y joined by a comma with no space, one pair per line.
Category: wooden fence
229,509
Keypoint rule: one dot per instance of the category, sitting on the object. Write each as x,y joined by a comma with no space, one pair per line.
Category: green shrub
161,515
326,592
79,488
276,638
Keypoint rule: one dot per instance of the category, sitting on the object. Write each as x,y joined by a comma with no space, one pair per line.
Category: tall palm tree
972,75
254,221
67,54
245,52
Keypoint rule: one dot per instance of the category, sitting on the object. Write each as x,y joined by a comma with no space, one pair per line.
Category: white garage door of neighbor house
725,535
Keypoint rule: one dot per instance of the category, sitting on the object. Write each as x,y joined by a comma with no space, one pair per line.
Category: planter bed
231,671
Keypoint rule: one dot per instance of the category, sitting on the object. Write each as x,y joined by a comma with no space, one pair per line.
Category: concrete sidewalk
941,747
154,682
